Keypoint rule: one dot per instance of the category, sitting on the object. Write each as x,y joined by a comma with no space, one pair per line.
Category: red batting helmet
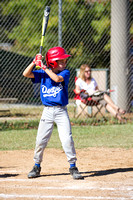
54,54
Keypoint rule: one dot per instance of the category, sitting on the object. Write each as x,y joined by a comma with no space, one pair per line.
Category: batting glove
40,64
37,57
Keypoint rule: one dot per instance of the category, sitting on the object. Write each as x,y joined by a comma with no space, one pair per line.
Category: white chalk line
31,180
10,171
70,188
52,180
11,196
80,187
128,188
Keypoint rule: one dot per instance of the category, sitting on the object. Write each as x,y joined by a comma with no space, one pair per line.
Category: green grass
19,124
113,136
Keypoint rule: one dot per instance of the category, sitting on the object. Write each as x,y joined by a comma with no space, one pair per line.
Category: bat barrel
44,25
46,17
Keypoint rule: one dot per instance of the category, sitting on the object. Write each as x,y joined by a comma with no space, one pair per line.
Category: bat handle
40,50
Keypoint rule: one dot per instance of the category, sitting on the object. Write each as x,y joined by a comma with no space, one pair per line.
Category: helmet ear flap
53,64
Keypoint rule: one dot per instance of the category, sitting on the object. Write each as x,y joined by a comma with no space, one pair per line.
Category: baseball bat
44,25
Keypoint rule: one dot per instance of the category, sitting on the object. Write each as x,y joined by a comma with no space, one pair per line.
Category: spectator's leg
111,103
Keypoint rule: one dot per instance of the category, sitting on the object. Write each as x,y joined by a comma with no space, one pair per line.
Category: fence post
60,24
119,52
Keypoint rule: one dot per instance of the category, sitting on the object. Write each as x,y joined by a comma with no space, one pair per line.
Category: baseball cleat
35,172
75,173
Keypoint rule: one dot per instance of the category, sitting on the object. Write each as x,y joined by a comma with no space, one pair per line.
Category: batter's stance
54,96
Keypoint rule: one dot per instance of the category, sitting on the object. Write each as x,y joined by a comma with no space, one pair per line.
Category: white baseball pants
59,115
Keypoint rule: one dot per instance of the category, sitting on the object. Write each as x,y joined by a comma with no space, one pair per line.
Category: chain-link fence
82,27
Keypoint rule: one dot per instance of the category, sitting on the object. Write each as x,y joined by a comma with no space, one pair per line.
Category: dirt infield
108,174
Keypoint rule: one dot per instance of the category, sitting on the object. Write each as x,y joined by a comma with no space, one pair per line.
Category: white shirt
90,88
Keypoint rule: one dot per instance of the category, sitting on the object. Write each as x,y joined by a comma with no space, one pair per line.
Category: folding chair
84,103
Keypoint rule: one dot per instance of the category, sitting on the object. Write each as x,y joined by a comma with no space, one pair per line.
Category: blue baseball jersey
51,92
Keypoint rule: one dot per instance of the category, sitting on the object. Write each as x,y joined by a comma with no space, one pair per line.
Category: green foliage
85,29
89,42
131,14
82,37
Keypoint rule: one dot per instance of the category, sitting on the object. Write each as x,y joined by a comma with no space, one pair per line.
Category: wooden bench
7,100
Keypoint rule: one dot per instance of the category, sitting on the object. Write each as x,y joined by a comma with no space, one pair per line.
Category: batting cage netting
99,33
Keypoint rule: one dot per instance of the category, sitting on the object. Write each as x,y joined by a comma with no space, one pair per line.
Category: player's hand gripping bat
44,27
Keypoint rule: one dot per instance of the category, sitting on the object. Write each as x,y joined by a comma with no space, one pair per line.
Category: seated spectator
89,85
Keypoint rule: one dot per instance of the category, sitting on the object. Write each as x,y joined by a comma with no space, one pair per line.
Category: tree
85,29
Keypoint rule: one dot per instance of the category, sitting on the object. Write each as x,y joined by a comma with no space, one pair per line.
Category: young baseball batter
54,96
